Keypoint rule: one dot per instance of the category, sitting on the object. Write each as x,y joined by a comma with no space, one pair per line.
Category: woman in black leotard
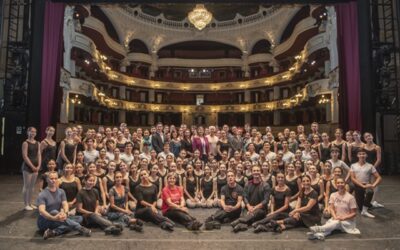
51,166
98,185
340,144
222,145
108,179
155,179
266,175
190,188
70,184
146,194
240,178
355,146
48,148
324,148
68,149
293,182
30,167
306,212
207,189
221,181
316,183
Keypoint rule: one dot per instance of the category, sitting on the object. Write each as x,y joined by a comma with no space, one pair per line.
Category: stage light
313,62
323,100
87,61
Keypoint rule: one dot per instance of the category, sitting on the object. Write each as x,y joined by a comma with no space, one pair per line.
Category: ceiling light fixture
200,16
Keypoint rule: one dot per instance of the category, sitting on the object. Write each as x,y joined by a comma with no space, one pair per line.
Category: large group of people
117,177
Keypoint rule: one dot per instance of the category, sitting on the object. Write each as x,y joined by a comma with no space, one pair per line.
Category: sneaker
262,228
240,227
136,228
367,214
375,204
85,231
315,229
167,226
120,226
28,208
311,236
197,225
33,206
113,230
320,236
212,225
48,234
235,223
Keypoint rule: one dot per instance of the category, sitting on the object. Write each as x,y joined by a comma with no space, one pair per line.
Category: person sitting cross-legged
343,209
231,200
53,211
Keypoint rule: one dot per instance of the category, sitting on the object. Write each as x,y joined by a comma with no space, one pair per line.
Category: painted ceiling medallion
200,16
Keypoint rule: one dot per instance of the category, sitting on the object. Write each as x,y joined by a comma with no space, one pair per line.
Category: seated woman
207,189
70,184
306,212
146,195
231,204
51,167
119,211
53,211
221,181
190,188
343,208
174,207
331,187
87,203
280,208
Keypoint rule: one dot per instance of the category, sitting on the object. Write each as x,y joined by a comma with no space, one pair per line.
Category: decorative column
69,37
277,113
154,64
65,84
245,64
151,114
124,64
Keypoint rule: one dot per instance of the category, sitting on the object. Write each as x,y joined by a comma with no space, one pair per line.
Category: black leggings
147,214
278,216
180,217
291,222
363,196
221,215
248,219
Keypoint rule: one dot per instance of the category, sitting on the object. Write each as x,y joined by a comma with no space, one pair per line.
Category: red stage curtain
51,61
349,88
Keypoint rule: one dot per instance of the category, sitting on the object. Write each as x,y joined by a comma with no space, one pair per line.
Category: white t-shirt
270,156
288,157
90,156
127,158
212,141
343,203
339,163
363,173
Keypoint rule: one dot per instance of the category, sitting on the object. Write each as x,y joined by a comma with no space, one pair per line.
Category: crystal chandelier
200,16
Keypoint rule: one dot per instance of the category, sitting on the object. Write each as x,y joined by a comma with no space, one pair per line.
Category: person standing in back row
30,167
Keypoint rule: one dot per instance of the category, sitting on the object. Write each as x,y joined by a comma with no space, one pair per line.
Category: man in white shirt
90,154
212,140
361,174
268,153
